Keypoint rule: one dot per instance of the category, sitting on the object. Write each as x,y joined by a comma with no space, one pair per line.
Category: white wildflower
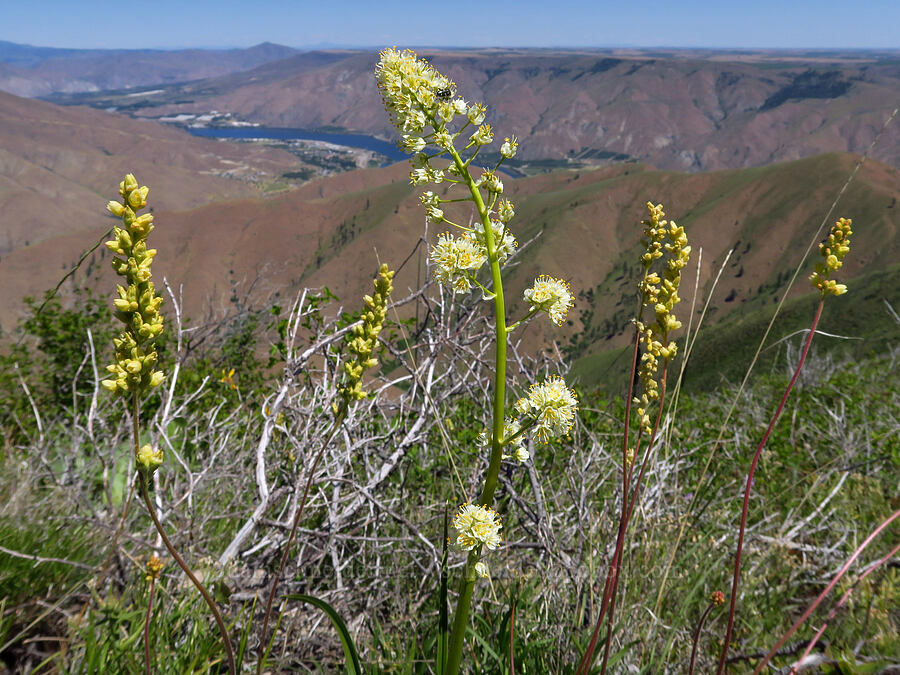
552,405
477,525
550,295
454,258
509,147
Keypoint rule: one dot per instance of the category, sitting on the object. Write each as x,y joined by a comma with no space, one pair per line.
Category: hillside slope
59,165
40,71
585,228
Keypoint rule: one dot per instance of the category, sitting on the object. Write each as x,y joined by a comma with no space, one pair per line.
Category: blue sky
485,23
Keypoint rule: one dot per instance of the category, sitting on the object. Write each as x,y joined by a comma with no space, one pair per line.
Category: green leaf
351,654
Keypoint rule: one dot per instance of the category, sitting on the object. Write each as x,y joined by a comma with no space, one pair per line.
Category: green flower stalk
134,372
433,123
361,343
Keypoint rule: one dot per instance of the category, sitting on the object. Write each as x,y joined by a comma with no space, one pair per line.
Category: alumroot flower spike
137,304
659,295
154,568
833,250
363,338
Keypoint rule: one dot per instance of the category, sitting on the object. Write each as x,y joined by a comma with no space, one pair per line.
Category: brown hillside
328,231
36,71
58,165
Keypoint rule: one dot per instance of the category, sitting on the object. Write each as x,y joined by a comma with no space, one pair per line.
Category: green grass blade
444,617
353,665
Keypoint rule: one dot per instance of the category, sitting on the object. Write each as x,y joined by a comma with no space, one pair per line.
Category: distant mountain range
41,71
679,110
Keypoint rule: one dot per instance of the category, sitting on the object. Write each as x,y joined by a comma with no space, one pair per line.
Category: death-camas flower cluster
430,117
477,525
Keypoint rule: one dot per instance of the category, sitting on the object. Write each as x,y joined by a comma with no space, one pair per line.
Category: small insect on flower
444,94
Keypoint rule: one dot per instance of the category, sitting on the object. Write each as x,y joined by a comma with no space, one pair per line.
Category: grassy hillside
860,324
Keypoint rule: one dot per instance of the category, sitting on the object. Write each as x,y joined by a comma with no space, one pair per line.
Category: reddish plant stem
287,549
612,578
840,603
183,565
627,513
589,652
626,471
740,544
706,612
147,625
824,593
113,550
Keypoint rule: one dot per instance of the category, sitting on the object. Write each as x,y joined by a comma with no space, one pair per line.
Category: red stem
840,603
187,570
750,474
627,513
147,626
827,590
706,612
589,652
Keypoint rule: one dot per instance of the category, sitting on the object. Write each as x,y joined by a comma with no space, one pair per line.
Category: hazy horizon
449,47
570,24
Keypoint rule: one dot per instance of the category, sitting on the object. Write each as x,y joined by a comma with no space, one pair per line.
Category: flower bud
149,458
127,185
137,199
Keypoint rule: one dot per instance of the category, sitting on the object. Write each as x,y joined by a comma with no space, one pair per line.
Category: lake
283,134
350,140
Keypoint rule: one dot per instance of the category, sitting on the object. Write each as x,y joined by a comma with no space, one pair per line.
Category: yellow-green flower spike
154,568
363,338
833,250
659,294
137,304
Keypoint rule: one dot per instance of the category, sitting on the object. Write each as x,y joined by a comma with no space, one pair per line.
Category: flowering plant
445,134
